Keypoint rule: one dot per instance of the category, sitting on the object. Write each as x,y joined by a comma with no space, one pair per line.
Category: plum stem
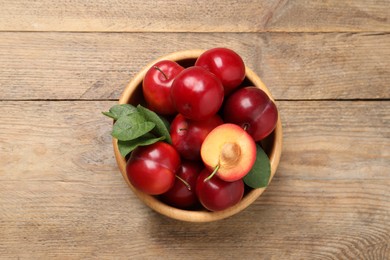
157,68
213,173
184,182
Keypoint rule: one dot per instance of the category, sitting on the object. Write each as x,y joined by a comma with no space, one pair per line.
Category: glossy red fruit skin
152,168
179,195
188,135
157,87
226,64
196,93
252,109
216,194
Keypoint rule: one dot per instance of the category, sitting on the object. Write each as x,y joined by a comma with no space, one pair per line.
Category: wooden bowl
272,145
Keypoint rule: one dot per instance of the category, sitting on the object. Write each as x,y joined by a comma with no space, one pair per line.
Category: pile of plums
215,122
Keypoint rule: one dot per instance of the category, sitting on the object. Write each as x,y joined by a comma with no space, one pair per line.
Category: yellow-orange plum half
231,149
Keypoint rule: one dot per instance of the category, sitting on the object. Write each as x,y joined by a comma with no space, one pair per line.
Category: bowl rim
191,215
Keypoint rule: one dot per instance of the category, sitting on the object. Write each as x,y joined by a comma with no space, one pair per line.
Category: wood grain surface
63,196
99,65
199,16
63,62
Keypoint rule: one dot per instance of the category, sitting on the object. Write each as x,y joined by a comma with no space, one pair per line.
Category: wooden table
327,64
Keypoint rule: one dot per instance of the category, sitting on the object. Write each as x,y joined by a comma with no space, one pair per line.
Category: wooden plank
199,16
61,195
319,139
326,66
51,141
336,140
306,219
330,16
99,65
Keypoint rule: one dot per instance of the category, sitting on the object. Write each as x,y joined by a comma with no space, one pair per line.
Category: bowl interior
272,146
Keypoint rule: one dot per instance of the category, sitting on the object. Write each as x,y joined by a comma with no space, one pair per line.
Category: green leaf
125,147
117,111
132,126
161,128
258,176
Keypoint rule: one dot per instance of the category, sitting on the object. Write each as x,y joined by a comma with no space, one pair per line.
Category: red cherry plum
152,168
252,109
